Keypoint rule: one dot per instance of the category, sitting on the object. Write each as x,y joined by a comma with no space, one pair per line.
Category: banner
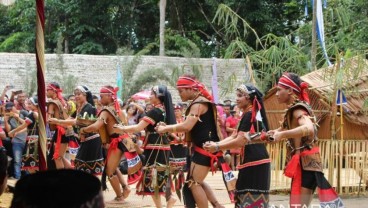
119,81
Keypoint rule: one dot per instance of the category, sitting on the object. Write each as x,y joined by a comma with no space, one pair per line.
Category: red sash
214,157
133,159
60,133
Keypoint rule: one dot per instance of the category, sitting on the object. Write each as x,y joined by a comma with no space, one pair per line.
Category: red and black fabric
60,133
326,194
227,174
89,156
253,184
229,179
134,177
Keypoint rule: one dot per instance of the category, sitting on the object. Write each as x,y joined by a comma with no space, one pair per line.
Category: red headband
58,93
187,82
113,93
53,88
285,82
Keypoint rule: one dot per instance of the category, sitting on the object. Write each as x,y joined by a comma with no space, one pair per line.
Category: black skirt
253,186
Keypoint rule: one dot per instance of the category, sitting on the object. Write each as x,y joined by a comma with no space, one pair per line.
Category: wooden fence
345,165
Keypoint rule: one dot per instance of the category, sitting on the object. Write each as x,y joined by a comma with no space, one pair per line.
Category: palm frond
230,20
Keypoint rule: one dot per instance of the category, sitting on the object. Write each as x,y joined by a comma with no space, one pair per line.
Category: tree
162,27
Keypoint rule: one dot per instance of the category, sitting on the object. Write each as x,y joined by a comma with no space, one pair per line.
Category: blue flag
321,30
119,81
340,94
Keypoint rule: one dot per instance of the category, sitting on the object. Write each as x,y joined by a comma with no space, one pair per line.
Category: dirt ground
5,199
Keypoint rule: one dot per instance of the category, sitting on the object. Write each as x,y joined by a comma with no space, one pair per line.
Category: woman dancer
156,147
253,184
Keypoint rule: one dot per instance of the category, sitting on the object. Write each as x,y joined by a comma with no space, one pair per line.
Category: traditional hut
353,80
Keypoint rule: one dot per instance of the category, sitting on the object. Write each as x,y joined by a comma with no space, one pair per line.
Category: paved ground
276,200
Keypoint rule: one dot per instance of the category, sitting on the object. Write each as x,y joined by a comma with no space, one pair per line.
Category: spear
40,49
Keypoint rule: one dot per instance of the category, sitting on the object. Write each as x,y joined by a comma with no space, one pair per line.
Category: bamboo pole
250,70
331,153
341,117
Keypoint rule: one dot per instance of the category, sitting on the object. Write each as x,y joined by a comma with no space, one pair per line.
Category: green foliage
17,42
177,45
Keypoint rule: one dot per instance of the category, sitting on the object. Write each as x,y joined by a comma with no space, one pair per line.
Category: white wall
96,71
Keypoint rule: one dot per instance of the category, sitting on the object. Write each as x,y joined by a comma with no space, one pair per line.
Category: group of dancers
162,169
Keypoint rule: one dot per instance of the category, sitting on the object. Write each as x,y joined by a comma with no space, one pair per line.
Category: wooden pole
41,88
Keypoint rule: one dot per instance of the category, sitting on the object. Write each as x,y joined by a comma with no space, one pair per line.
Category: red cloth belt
60,133
114,144
214,157
293,170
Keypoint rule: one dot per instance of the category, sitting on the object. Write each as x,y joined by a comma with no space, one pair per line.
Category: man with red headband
200,127
303,160
57,108
117,144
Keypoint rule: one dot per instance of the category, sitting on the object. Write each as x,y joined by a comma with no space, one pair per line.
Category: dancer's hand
210,146
53,120
276,135
161,129
118,128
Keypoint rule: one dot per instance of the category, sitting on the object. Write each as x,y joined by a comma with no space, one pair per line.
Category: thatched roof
355,88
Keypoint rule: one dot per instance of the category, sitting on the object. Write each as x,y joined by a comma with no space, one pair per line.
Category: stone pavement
216,182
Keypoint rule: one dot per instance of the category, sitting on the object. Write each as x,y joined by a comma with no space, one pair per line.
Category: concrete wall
95,71
7,2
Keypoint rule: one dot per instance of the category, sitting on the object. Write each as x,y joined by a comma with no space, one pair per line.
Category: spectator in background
227,109
221,118
20,101
71,98
14,118
3,97
227,102
97,102
133,110
184,107
231,124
